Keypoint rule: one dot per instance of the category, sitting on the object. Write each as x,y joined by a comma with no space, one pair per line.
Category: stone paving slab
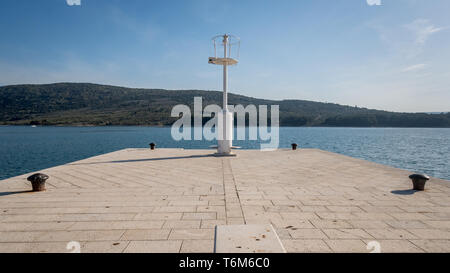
170,200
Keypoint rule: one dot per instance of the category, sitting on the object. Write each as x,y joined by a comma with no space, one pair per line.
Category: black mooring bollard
294,146
38,181
152,146
419,181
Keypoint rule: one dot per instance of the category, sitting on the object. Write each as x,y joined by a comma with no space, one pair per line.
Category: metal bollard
419,181
152,146
294,146
38,181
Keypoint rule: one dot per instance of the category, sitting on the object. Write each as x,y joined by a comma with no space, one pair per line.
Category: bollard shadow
404,192
147,159
13,192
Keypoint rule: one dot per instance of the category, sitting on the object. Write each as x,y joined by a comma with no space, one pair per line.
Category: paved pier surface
170,200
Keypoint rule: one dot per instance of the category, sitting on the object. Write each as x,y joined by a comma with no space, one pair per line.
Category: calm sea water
26,149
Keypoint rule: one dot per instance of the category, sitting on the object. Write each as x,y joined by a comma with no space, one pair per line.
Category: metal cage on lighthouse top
226,50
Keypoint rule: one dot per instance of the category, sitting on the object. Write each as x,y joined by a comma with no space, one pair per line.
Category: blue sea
26,149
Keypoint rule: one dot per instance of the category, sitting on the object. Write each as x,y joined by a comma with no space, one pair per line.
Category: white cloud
374,2
406,40
73,2
422,30
414,67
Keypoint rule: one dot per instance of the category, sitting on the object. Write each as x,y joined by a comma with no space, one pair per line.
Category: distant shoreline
168,126
85,104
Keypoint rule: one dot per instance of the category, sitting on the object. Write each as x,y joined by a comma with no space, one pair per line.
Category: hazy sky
388,54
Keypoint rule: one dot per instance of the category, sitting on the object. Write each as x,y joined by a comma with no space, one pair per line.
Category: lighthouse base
225,155
225,133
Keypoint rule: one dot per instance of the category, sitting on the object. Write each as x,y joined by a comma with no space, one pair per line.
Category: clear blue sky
393,56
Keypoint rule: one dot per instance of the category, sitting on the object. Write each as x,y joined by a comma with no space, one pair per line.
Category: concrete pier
170,200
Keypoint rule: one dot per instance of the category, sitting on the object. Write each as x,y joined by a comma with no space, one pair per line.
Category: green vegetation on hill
93,104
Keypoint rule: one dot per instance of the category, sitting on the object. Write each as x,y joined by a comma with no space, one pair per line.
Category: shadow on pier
404,192
146,159
13,192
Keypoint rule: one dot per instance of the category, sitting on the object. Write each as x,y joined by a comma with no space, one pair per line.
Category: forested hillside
93,104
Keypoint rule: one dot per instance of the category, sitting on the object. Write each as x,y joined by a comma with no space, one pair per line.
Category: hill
93,104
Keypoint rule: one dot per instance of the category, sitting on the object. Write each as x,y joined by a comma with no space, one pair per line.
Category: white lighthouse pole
225,117
226,138
225,73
